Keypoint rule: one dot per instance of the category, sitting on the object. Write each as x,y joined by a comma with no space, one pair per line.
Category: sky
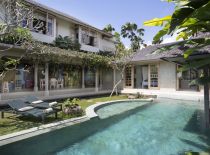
99,13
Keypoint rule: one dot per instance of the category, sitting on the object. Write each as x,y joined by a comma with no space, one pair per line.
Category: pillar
46,79
96,80
101,81
206,99
132,77
83,77
36,77
80,35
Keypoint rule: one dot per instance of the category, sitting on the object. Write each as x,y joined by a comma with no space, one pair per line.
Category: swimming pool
168,127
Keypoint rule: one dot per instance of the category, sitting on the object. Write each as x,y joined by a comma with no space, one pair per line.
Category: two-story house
47,79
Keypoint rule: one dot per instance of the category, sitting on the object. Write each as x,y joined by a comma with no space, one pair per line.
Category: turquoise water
166,127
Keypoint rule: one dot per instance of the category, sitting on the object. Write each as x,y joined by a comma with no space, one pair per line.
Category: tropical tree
15,18
134,34
109,28
190,18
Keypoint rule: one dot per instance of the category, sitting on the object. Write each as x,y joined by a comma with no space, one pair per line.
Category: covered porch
49,80
54,74
159,75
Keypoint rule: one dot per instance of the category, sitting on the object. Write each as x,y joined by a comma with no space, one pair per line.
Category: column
79,35
96,80
101,81
132,76
46,79
206,99
83,77
99,40
36,77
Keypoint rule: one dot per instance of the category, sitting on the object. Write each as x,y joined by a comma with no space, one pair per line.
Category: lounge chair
19,107
35,102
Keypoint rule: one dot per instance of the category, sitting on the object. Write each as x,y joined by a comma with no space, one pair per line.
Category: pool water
118,108
165,127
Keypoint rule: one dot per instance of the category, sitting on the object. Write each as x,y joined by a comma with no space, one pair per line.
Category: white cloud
171,39
149,43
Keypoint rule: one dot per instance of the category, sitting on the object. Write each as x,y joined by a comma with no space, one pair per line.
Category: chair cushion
52,103
37,102
48,110
26,108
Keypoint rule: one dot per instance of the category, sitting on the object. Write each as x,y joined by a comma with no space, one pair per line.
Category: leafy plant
72,108
67,43
17,36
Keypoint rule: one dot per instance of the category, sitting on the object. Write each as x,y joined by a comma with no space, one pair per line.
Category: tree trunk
206,99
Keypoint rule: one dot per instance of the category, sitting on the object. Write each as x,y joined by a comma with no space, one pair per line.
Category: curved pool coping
35,131
91,110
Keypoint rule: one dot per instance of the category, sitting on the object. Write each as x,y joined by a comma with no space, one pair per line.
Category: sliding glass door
153,76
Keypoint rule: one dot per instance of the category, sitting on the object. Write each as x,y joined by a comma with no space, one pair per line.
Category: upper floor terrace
46,24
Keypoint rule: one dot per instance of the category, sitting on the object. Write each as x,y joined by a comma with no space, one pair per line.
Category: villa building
53,79
155,72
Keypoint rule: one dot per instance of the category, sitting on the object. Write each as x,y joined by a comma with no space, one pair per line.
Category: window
153,76
88,38
89,78
24,23
43,25
128,79
50,26
39,23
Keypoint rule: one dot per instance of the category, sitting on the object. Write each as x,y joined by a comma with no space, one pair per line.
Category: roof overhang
181,60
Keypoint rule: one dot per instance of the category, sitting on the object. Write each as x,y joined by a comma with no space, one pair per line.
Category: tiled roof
156,52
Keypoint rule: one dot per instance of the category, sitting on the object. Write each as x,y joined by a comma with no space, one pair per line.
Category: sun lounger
19,107
35,102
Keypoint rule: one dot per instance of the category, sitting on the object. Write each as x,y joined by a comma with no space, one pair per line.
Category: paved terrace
54,94
183,95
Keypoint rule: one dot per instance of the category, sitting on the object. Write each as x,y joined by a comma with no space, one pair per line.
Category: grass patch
13,123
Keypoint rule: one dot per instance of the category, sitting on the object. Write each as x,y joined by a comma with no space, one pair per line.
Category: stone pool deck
167,93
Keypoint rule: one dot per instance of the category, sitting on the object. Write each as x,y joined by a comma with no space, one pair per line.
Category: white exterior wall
65,28
43,37
106,45
89,48
167,76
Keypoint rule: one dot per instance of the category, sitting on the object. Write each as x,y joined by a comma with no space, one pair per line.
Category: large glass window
50,26
20,79
42,24
39,23
88,38
64,76
90,77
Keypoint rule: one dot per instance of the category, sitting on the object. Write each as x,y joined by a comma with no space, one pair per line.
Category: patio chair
53,83
36,102
19,107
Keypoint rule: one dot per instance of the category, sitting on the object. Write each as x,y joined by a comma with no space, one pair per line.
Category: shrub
72,108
